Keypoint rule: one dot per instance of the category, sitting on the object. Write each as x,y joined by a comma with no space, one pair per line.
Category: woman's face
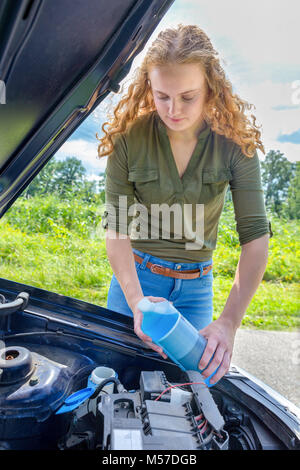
179,92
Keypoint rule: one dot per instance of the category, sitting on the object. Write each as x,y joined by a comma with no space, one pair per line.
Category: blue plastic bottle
169,329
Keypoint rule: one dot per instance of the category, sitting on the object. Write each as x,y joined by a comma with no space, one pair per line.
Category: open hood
58,61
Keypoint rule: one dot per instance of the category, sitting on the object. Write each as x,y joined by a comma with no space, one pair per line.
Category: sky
259,48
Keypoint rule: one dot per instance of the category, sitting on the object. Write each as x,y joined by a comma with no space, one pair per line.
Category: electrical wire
205,426
218,434
89,399
102,384
199,417
202,424
179,385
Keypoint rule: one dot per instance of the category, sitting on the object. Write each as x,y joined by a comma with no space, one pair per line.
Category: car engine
157,416
38,382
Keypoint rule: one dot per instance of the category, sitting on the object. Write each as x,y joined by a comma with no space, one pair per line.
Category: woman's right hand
138,318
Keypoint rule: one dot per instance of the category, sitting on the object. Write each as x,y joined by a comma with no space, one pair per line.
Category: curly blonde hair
223,110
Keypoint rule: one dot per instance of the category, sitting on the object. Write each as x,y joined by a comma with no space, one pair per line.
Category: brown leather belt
188,274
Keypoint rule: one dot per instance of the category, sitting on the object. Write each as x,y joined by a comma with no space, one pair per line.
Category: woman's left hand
220,339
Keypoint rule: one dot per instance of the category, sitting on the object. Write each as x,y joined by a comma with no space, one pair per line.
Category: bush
283,261
48,214
59,246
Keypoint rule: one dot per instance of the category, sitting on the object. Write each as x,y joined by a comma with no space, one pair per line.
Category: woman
176,140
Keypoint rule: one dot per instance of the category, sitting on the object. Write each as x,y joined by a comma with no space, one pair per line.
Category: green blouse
175,218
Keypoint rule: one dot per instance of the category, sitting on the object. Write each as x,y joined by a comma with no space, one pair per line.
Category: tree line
68,179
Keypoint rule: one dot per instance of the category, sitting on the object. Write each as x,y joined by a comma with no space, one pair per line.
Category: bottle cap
74,400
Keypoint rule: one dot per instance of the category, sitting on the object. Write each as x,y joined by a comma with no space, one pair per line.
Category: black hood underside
58,61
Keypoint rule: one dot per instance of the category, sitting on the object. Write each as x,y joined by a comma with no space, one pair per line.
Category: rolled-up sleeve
119,192
248,198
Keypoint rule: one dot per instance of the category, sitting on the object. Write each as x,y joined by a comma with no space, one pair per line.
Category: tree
101,186
43,182
292,206
64,178
69,176
85,191
277,173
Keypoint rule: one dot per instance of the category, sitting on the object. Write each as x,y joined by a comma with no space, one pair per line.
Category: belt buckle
156,268
206,269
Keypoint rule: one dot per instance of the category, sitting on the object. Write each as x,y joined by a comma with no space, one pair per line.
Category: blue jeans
192,297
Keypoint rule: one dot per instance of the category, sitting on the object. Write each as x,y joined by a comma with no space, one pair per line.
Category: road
271,356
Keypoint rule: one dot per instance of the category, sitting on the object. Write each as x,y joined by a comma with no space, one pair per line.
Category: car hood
58,61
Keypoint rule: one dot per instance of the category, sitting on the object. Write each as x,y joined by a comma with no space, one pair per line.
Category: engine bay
50,349
152,417
146,409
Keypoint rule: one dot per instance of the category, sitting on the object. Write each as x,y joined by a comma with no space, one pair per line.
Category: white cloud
85,151
289,150
269,94
260,31
93,177
266,96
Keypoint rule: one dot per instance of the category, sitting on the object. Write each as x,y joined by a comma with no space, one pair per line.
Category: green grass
74,267
58,246
275,305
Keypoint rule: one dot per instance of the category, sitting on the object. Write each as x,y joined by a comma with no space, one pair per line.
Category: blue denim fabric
192,297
